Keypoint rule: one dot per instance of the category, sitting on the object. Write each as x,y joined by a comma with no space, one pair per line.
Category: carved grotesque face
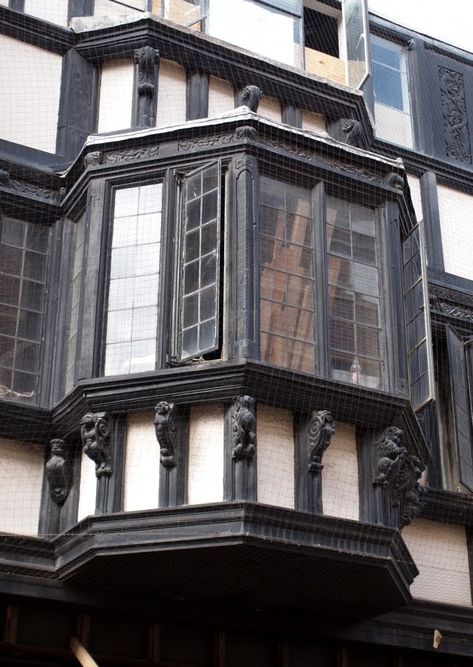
394,433
163,408
87,429
57,447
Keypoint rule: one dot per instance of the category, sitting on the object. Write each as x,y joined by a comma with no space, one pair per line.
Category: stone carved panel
455,117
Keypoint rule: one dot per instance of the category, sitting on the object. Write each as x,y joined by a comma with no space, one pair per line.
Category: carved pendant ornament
146,58
455,117
95,430
57,472
243,428
321,429
399,473
165,428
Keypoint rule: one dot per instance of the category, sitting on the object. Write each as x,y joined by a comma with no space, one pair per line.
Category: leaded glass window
23,269
74,302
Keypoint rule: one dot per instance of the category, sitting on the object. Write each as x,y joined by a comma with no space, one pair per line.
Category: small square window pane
147,259
123,262
150,198
190,344
210,178
149,228
207,335
299,260
37,238
9,290
364,249
7,350
300,356
145,322
5,382
209,206
191,245
191,277
274,349
119,326
124,232
208,270
341,303
11,260
24,384
190,310
298,230
35,266
27,356
371,373
365,279
143,355
273,318
338,212
8,320
32,295
126,202
368,341
367,310
208,238
273,286
117,359
342,335
193,214
299,292
13,232
121,293
273,253
339,271
194,186
273,222
208,303
362,220
29,325
146,291
297,201
339,240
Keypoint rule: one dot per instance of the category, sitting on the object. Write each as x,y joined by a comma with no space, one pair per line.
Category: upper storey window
391,93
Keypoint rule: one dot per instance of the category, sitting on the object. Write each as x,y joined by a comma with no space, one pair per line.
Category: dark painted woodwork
291,115
145,89
35,31
240,450
431,216
172,433
197,95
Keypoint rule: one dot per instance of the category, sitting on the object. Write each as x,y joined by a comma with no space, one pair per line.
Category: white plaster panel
340,495
30,84
414,186
205,473
270,108
456,225
314,122
116,96
141,463
393,125
440,553
21,477
221,96
54,11
87,488
171,94
110,8
4,3
275,456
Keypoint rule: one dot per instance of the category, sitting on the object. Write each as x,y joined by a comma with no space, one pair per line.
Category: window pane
287,319
134,281
354,303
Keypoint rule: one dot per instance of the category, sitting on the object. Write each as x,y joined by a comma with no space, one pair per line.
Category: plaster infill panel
340,496
172,91
21,478
54,11
313,122
142,466
275,456
30,85
456,225
206,454
441,555
87,488
116,95
221,96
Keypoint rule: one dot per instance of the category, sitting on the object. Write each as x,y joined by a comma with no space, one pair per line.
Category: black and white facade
236,324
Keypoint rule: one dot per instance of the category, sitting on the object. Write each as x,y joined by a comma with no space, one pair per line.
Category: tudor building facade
235,401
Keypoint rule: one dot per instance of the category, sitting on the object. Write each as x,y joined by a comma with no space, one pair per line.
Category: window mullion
321,280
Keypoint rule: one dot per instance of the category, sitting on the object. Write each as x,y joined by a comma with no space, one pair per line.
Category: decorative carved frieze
165,428
455,116
33,189
243,428
452,310
58,472
251,96
114,157
321,429
398,473
146,58
95,430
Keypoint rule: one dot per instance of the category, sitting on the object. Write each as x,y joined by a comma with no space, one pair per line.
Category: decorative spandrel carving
243,428
95,430
251,96
146,58
398,472
353,132
455,116
58,472
321,430
165,428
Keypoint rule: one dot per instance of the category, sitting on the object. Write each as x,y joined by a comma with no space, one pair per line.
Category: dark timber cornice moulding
35,31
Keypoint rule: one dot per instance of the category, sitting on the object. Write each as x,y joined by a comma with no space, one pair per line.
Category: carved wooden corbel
95,429
165,428
58,472
243,428
321,430
250,97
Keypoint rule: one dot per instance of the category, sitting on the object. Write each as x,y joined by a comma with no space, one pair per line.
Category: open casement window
418,331
355,22
199,271
460,359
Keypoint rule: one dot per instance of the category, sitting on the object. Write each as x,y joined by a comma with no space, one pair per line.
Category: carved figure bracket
165,429
146,58
243,428
58,472
95,431
251,96
321,430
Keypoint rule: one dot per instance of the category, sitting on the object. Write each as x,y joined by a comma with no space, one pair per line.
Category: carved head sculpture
57,447
95,433
251,96
57,472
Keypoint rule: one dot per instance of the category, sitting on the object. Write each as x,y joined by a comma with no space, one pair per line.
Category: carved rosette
165,428
57,472
398,472
251,96
321,429
95,429
146,58
243,428
455,115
